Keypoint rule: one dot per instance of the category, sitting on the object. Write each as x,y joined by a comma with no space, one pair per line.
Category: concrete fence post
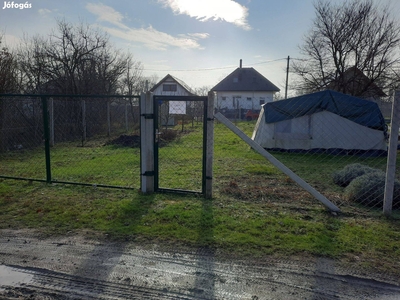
209,145
391,160
147,142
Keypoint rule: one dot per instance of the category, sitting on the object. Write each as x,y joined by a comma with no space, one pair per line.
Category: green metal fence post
46,132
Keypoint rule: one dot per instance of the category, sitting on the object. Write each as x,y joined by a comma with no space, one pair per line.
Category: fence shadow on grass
105,256
204,283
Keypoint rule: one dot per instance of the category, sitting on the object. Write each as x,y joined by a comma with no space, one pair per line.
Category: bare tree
356,34
8,84
8,70
76,60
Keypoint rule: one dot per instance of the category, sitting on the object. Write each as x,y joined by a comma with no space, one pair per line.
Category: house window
235,101
262,100
169,88
248,98
223,98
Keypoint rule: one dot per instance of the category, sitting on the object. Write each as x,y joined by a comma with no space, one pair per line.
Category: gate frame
149,147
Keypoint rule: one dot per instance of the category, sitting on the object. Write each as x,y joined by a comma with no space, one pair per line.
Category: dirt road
78,266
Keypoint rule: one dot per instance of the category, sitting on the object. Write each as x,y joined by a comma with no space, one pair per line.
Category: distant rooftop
177,80
245,79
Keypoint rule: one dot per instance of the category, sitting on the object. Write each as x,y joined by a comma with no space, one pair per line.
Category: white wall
180,91
232,99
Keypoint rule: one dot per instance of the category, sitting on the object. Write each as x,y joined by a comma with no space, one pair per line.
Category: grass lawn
255,211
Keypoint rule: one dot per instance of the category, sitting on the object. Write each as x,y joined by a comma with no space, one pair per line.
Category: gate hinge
148,173
147,116
210,119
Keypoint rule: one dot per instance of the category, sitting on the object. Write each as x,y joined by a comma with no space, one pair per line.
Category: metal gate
180,143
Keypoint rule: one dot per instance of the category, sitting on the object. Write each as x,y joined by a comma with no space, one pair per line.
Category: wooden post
83,121
126,118
209,145
391,160
108,118
147,142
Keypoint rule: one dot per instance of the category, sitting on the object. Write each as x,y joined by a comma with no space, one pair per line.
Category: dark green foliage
369,190
350,172
168,135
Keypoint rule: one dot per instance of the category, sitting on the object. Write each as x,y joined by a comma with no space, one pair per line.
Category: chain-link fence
180,143
336,143
81,139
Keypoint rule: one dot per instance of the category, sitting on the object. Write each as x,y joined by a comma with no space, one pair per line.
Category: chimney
240,64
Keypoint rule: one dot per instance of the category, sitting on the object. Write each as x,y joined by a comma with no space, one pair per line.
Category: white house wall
180,91
175,107
232,99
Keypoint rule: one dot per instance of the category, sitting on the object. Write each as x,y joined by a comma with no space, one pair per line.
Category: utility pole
287,76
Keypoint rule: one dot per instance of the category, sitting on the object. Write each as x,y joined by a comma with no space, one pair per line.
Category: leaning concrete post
391,160
147,142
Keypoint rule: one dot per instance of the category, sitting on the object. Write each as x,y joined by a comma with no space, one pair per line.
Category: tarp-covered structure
324,120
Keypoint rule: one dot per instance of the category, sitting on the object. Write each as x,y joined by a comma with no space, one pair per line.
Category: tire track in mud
57,285
75,267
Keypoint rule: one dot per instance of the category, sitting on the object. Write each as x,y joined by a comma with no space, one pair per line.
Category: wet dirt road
79,267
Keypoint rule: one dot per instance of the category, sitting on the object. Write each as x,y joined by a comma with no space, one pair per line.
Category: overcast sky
198,41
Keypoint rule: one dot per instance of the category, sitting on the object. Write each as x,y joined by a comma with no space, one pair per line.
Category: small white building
171,86
244,89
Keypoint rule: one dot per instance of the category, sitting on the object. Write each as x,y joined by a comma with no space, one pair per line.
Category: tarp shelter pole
391,160
277,163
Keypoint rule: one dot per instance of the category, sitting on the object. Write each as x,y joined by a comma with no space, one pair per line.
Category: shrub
168,135
369,190
349,173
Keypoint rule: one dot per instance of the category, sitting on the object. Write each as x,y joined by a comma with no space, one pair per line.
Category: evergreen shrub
369,190
349,173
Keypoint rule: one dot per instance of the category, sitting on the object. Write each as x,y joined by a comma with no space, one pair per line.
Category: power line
212,69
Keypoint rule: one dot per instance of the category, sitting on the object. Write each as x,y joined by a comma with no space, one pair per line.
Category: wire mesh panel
335,142
22,138
180,144
93,140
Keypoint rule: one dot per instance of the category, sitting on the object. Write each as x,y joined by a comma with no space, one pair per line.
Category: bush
168,135
349,173
369,190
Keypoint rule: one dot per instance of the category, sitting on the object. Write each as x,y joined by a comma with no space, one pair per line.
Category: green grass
256,210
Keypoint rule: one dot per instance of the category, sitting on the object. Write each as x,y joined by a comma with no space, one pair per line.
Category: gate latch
148,173
147,116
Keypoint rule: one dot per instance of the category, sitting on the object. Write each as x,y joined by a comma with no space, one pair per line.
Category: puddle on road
13,277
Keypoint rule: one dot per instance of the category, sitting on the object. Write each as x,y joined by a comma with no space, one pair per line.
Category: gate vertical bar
391,160
146,143
209,145
46,132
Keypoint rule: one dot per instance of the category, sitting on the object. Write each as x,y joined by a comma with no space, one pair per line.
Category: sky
197,41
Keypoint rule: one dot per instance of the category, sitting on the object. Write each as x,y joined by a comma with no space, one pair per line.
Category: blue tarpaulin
363,112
